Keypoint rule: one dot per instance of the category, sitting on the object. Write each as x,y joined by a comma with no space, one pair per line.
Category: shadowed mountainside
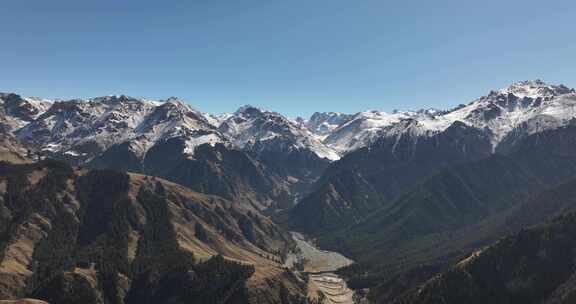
534,266
444,215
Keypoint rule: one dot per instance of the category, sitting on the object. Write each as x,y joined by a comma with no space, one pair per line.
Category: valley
287,152
129,200
319,266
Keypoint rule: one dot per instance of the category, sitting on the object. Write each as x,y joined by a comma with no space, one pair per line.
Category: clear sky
291,56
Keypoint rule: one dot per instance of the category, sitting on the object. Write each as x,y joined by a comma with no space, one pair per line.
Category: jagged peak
247,109
534,89
409,126
430,111
300,120
326,114
177,102
174,99
250,113
114,99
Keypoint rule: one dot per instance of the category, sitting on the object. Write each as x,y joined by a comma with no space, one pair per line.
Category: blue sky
295,57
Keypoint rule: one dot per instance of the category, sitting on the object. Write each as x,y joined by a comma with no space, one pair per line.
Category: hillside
70,236
372,177
534,266
455,210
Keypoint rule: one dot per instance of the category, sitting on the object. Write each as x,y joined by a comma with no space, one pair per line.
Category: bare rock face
25,109
323,123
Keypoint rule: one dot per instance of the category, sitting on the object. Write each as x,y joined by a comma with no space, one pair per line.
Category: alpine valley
119,199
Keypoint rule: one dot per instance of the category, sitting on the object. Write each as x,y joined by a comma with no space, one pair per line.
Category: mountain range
133,184
82,130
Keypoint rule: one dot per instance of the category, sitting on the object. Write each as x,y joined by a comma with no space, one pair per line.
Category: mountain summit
523,108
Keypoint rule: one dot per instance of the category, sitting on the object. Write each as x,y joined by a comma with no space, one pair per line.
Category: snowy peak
115,99
216,119
431,112
406,127
176,112
21,108
534,89
249,122
248,110
85,128
323,123
498,113
249,125
363,128
520,109
502,111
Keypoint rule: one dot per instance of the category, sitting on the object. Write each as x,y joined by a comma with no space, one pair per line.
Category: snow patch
193,143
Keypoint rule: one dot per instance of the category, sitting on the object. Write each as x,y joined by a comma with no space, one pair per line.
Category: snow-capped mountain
165,138
520,109
531,105
85,128
394,152
216,119
363,128
283,145
324,123
19,111
250,125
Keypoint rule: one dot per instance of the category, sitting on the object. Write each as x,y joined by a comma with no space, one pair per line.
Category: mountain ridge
402,182
500,112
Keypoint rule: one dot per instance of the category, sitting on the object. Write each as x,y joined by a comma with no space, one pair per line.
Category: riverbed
319,266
